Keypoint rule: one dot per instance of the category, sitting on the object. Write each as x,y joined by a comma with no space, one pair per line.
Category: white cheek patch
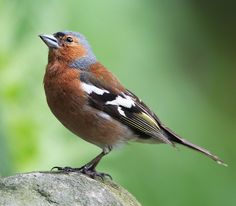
125,101
88,88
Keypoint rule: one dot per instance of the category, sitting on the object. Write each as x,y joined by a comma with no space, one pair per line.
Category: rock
59,189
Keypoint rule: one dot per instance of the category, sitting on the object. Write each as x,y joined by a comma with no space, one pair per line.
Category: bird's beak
50,40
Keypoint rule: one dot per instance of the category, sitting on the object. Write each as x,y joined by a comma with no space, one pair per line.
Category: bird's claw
65,169
84,170
93,173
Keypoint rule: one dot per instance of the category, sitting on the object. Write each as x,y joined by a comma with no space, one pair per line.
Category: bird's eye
69,39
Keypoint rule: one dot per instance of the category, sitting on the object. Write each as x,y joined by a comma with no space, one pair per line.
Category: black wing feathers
131,112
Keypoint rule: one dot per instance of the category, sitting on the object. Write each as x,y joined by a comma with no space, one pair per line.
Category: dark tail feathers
175,138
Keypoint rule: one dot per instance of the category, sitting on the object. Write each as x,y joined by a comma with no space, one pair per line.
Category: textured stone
57,189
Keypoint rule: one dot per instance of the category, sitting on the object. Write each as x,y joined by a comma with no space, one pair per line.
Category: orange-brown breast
68,103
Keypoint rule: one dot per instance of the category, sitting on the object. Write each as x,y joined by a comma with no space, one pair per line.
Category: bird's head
69,47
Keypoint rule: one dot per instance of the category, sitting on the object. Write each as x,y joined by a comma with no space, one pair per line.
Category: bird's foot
93,173
89,171
65,169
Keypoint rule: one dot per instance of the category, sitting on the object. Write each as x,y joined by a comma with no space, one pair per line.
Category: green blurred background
178,56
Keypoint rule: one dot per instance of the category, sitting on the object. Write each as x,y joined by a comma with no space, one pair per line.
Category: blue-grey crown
89,59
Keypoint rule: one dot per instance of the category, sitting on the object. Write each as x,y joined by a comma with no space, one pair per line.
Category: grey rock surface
58,189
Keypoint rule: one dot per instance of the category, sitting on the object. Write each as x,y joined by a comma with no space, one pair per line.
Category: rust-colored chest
63,93
69,103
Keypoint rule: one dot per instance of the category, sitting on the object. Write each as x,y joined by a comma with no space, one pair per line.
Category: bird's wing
123,106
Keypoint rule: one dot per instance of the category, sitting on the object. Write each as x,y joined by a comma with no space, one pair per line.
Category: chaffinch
92,103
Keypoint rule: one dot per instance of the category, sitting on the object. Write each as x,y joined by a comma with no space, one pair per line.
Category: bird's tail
175,138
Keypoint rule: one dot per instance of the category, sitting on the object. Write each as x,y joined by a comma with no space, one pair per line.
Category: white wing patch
88,88
104,115
121,111
125,101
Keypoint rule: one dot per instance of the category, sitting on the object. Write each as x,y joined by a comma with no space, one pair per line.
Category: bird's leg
89,168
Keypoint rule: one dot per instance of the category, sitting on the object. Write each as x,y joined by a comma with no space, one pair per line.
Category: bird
93,104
